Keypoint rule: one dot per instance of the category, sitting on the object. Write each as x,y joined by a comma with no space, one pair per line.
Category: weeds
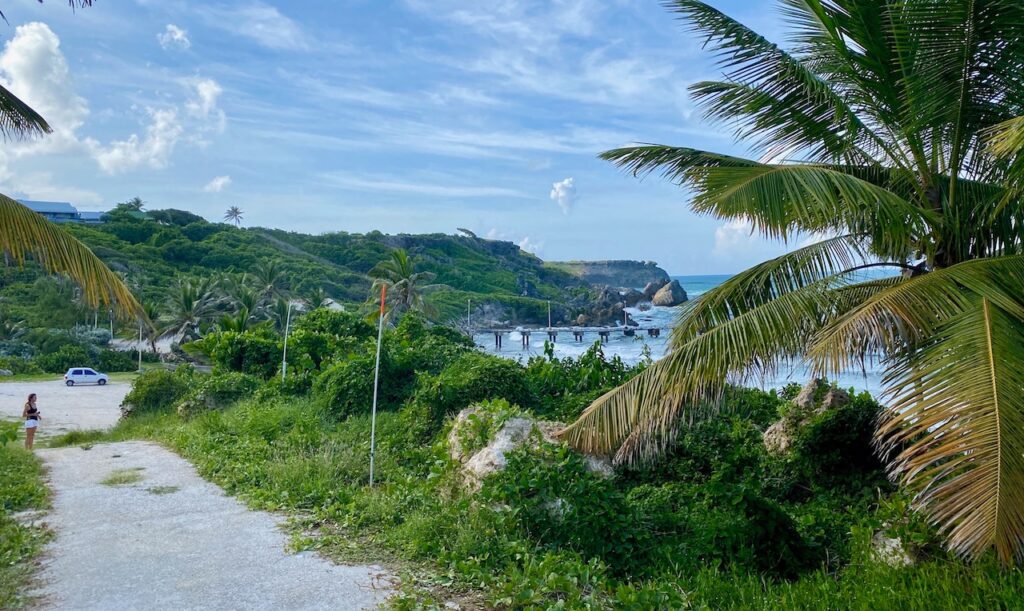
21,489
123,477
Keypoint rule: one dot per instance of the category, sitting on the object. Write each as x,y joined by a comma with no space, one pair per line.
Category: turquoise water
632,349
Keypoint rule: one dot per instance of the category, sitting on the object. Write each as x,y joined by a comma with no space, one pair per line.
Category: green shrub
19,365
255,352
63,358
157,390
16,348
472,377
218,391
558,503
116,360
346,388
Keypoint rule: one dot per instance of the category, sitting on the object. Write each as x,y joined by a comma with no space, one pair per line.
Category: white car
85,375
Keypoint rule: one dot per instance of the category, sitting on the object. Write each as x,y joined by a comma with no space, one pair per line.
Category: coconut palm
190,304
269,278
406,288
234,215
871,130
317,298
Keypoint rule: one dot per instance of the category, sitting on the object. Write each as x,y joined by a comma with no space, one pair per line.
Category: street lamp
287,327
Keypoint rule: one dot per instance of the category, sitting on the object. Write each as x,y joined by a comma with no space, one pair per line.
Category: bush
255,352
18,365
558,503
346,388
116,360
217,392
157,390
16,348
474,376
64,358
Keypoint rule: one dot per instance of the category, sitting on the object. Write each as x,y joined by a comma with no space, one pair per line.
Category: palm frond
956,419
17,119
24,233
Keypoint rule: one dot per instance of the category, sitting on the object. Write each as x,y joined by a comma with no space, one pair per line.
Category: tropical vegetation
875,131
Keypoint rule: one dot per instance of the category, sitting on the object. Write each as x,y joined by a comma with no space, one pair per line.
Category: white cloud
174,37
260,23
217,184
34,69
734,235
563,193
532,246
152,150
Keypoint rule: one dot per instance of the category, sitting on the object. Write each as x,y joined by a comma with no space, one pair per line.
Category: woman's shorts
31,424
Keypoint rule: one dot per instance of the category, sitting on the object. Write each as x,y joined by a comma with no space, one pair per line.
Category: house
63,212
58,212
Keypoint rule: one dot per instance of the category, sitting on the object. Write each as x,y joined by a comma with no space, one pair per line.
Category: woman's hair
29,400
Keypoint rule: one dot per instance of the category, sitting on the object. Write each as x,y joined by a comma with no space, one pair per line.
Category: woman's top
32,413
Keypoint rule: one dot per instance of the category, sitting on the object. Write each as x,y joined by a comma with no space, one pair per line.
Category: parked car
85,375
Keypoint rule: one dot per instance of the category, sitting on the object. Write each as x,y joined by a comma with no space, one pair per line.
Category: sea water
634,349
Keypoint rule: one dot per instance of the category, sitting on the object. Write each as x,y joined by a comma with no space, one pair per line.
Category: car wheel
102,382
70,382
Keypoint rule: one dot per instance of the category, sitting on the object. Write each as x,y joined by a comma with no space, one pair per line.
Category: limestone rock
514,433
6,373
632,297
777,437
835,397
652,288
672,294
890,550
806,398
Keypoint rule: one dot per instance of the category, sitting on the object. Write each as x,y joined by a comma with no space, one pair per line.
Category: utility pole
140,345
376,380
284,353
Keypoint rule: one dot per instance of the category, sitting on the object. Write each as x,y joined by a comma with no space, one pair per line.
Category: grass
77,437
115,378
447,545
162,490
123,477
21,489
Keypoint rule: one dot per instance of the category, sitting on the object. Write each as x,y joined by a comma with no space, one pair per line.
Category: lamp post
287,327
140,345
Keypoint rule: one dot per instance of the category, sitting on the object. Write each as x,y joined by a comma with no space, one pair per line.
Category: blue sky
406,116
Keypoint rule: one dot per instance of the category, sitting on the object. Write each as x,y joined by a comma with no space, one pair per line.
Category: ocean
632,349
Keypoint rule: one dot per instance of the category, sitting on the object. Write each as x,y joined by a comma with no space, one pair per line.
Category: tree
269,278
134,204
406,287
190,304
234,215
873,131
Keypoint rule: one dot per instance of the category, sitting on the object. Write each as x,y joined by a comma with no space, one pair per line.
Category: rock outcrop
623,274
651,288
890,551
513,433
672,294
816,397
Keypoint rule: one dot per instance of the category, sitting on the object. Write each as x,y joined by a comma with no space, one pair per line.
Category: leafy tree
872,131
234,215
269,278
406,287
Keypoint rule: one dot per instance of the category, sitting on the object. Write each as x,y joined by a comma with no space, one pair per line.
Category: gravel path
174,541
65,408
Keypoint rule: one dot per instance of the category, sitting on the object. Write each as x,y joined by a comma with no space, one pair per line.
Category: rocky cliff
620,274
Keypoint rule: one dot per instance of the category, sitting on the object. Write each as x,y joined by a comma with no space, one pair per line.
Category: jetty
578,333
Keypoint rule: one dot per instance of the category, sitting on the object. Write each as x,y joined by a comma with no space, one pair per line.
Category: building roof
49,207
91,215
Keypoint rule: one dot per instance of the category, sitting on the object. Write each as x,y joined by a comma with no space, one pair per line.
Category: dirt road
171,540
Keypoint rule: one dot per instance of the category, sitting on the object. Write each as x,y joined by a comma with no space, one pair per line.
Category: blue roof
49,207
91,215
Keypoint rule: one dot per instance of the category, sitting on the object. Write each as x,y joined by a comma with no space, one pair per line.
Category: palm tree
234,215
190,304
269,278
406,287
317,298
872,130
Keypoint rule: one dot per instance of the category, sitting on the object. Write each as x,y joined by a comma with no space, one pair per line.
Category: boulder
632,297
6,373
672,294
512,434
778,437
652,288
831,398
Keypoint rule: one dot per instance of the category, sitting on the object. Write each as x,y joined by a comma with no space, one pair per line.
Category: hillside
497,277
620,274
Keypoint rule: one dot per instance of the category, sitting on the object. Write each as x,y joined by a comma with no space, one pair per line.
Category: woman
32,417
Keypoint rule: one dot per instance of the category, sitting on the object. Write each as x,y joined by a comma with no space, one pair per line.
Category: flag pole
376,379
